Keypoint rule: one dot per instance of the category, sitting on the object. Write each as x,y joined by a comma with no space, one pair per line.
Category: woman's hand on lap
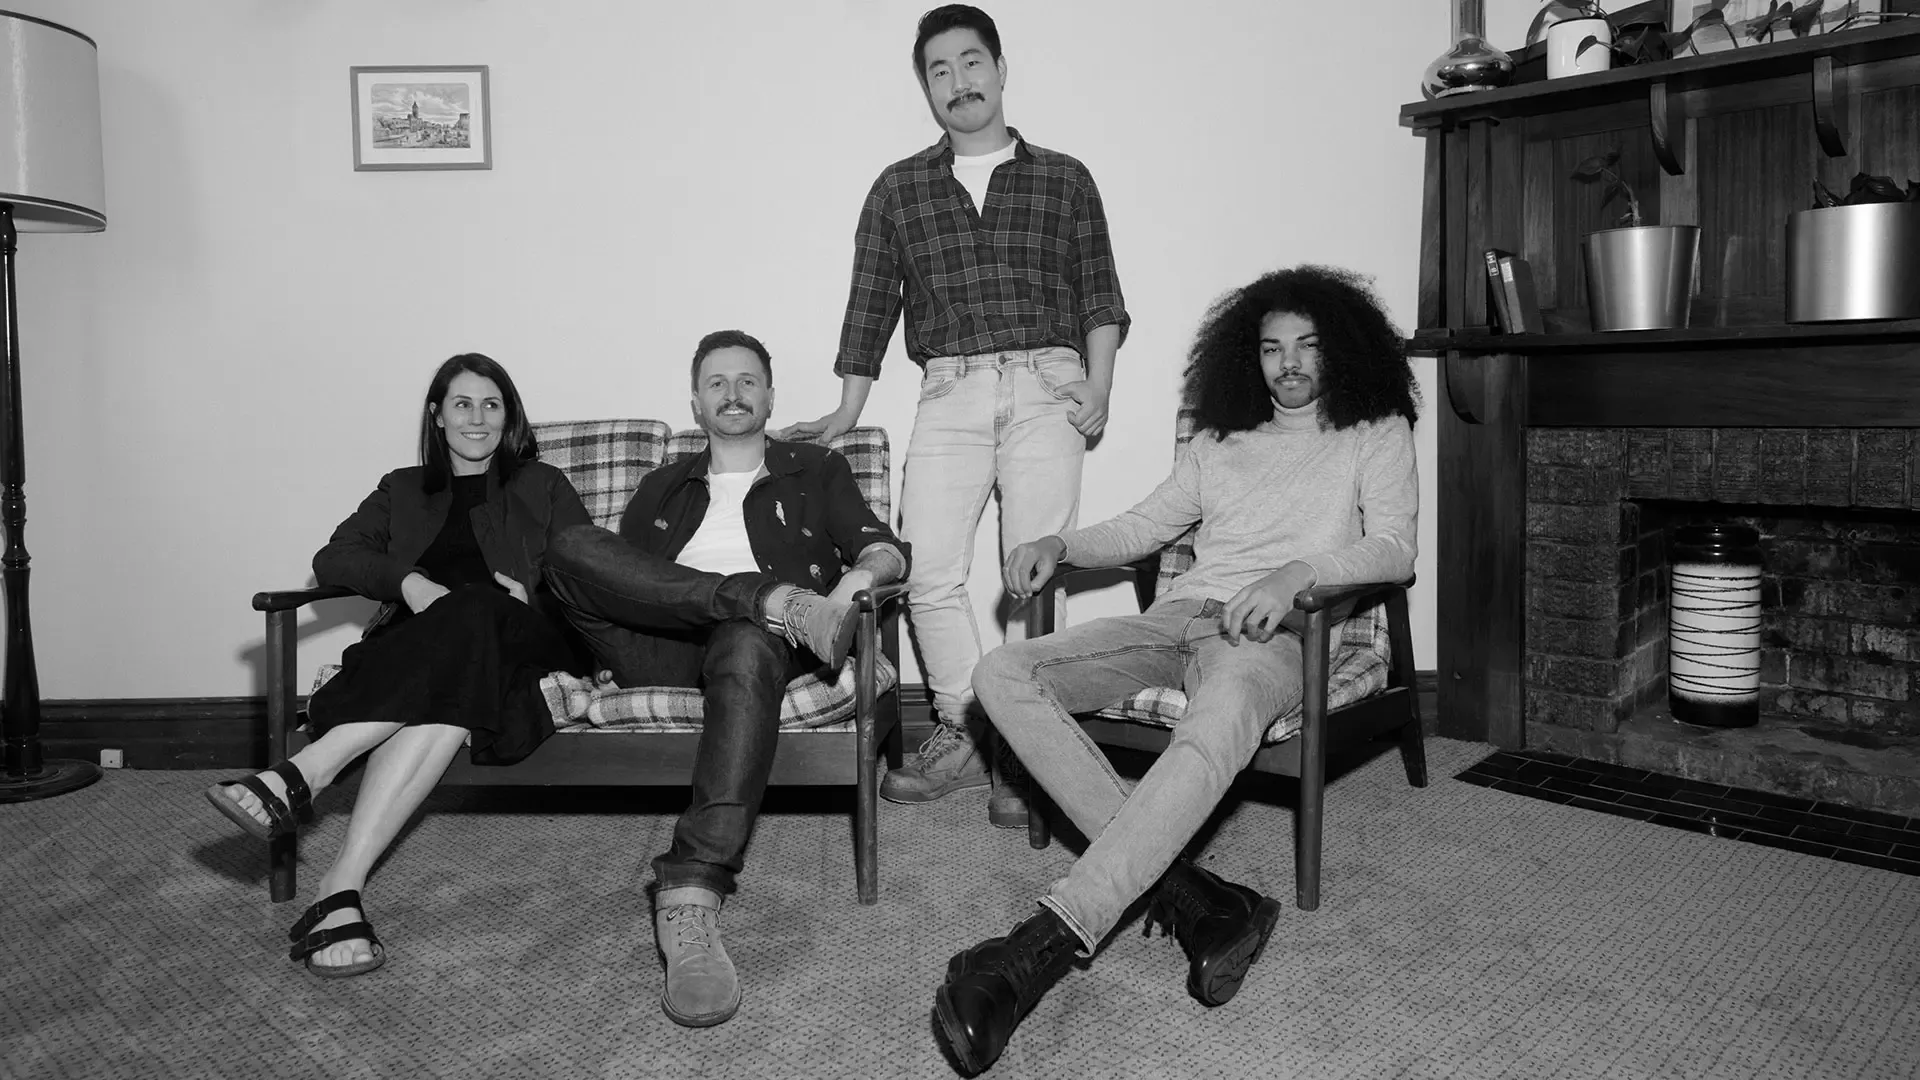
518,590
420,591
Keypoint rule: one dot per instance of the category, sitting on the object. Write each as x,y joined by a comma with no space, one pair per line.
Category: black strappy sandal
284,815
307,941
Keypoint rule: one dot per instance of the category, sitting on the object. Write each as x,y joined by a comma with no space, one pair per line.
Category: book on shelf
1497,314
1515,301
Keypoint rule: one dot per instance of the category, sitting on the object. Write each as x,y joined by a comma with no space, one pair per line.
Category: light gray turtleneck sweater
1343,502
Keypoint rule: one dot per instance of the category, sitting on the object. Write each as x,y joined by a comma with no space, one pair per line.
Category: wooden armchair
831,730
1359,687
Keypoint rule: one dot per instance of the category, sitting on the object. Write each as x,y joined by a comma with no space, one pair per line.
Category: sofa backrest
605,460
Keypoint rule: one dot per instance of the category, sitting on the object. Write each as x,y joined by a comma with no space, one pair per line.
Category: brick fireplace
1838,512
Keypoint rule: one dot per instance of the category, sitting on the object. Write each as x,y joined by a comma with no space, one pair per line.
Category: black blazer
375,549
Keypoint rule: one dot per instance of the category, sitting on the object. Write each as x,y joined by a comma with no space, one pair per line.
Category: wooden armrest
293,598
879,596
1321,597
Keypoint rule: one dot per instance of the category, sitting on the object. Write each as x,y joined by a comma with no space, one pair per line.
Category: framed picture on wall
427,117
1745,18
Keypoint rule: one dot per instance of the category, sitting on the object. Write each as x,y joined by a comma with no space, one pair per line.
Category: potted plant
1855,256
1579,40
1639,276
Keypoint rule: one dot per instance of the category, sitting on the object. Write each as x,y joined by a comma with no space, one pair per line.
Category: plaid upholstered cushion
1359,670
605,459
812,703
1361,648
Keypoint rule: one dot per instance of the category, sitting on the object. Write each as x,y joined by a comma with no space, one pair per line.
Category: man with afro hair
1300,473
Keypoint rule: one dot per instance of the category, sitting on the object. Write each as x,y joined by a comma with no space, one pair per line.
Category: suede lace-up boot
1223,927
822,625
992,986
949,761
702,987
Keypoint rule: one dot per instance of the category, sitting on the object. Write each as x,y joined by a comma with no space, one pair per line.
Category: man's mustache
970,95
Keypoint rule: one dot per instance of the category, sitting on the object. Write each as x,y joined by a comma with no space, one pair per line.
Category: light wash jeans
994,420
1031,689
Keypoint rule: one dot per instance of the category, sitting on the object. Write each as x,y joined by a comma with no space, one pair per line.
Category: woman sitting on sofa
454,548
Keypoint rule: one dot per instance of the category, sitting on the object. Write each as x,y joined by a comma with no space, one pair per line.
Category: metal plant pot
1854,262
1641,278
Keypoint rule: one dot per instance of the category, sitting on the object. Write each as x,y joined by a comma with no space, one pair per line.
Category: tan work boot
1007,804
702,987
822,625
948,761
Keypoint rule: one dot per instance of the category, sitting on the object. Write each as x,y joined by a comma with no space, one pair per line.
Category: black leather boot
991,987
1222,926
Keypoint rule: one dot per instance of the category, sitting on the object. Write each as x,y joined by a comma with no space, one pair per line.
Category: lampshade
50,167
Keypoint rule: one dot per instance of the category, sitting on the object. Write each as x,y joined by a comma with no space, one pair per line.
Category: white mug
1563,47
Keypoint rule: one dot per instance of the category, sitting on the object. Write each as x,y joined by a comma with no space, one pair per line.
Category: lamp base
56,777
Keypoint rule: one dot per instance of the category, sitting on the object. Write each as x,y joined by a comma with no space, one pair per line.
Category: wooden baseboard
231,732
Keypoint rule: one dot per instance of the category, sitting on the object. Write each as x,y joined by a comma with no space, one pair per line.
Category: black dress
473,659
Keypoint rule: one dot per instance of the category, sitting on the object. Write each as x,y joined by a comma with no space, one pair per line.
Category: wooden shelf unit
1730,142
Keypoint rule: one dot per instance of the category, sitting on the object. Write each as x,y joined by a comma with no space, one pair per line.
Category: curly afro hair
1365,375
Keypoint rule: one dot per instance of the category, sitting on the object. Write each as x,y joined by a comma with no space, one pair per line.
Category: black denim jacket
806,519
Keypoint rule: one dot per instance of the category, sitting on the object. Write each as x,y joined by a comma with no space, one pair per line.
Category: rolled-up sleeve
1098,283
874,298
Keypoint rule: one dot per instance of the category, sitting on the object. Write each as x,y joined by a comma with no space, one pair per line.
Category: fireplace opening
1839,645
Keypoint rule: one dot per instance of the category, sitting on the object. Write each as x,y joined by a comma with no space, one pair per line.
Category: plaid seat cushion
812,703
1359,670
578,705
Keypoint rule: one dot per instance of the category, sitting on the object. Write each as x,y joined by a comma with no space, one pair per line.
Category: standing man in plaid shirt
998,250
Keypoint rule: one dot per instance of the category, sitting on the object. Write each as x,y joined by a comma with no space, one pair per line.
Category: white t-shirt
720,544
975,172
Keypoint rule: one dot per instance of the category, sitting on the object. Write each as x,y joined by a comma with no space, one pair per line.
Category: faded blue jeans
1031,689
987,422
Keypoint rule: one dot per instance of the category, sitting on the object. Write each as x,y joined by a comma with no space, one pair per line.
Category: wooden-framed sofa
832,732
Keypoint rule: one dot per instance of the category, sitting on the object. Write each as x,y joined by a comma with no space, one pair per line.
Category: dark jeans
653,622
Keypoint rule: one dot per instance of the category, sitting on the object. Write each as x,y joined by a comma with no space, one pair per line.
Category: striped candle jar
1713,626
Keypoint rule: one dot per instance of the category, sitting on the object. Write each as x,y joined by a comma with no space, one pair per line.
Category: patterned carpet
1465,932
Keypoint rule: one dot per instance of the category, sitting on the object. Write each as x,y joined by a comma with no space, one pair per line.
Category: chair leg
1413,751
866,811
1413,746
283,854
1039,833
896,741
1313,764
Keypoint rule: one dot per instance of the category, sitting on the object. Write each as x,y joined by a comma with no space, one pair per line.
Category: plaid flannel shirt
1035,270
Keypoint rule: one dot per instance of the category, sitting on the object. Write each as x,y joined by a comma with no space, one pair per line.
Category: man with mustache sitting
998,249
716,580
1300,473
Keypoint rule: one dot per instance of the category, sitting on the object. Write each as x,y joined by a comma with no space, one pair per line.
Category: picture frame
428,116
1742,15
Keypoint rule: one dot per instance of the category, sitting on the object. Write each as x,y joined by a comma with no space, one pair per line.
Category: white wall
217,379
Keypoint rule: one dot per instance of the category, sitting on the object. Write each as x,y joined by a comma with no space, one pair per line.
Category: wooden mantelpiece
1730,142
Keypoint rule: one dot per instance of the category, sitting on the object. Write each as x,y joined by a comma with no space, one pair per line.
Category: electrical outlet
112,759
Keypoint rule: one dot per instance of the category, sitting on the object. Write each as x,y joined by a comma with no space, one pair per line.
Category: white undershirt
974,173
720,544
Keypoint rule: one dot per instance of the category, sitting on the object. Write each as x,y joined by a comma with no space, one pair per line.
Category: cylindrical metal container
1641,278
1713,626
1854,262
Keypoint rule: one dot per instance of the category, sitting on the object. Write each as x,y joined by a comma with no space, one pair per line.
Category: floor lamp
51,180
